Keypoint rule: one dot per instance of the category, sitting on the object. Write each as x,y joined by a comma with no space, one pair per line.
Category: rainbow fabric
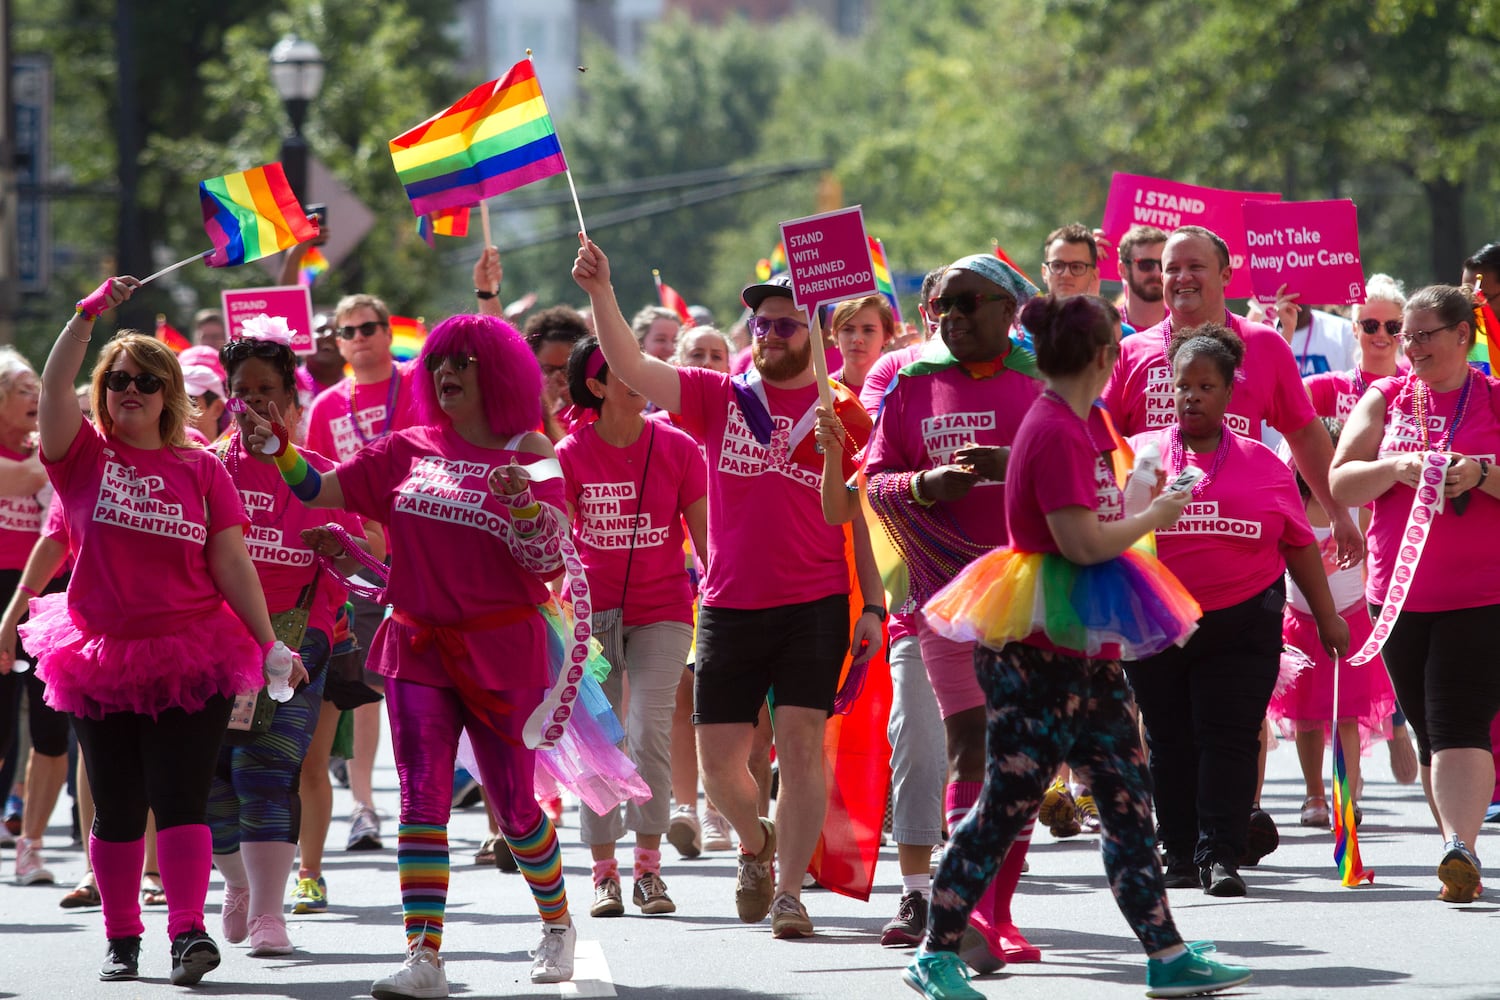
252,214
774,264
407,337
448,222
1345,838
671,300
497,138
883,282
314,265
1486,333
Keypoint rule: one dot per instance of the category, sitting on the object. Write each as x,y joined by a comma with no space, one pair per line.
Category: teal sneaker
1193,974
940,975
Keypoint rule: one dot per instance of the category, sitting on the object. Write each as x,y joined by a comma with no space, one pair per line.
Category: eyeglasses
1077,268
145,382
785,327
364,330
458,362
965,302
1423,336
1146,264
236,351
1372,326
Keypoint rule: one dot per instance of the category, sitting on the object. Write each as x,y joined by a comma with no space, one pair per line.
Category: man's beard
1145,293
788,365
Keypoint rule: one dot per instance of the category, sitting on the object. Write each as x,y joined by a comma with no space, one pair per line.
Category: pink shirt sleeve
701,390
1290,408
1323,393
695,476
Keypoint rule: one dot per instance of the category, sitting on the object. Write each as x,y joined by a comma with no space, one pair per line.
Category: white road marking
591,976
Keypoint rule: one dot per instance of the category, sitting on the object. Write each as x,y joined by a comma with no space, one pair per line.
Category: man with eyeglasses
1070,261
1140,269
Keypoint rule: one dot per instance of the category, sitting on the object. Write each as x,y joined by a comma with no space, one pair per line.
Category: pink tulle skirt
1365,692
91,674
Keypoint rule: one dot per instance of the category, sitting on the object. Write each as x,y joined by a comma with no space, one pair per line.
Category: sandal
85,894
1315,812
152,894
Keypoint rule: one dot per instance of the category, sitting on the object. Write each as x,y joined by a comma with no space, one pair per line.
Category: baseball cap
754,295
198,379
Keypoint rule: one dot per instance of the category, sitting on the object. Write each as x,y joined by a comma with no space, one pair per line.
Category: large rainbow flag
252,214
407,337
883,281
497,138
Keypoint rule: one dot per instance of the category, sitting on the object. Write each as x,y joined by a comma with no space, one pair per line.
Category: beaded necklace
229,454
1178,458
390,408
1358,378
1420,408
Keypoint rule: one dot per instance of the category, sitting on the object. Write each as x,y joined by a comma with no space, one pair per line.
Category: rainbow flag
772,265
671,300
407,336
252,214
1345,838
883,280
1486,333
447,222
314,264
497,138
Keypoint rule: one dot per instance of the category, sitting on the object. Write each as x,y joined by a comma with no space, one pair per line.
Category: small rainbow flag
883,280
169,336
1345,837
1486,334
671,300
497,138
252,214
314,264
772,265
446,222
407,336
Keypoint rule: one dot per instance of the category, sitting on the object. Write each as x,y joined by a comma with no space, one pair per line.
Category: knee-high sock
1009,876
539,857
117,873
268,863
185,855
422,866
959,799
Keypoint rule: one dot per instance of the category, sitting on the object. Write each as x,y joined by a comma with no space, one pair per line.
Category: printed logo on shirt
345,442
607,518
435,489
1344,404
1202,518
1161,400
1109,502
1403,434
268,545
125,499
742,456
20,514
1314,364
945,433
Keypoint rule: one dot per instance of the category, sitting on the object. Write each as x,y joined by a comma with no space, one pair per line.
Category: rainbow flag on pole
1486,333
314,265
407,337
883,281
447,222
252,214
497,138
1345,837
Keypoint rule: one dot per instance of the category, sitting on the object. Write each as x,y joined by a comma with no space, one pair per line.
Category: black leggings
49,727
165,764
1442,666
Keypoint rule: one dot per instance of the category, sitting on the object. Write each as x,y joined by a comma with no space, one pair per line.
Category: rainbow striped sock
422,866
540,858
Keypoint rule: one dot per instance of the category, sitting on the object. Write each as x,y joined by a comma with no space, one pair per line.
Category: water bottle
1142,478
278,672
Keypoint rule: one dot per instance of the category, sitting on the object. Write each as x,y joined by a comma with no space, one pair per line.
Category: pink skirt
91,674
1365,692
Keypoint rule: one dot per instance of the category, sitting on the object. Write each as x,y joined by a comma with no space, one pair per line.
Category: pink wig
510,380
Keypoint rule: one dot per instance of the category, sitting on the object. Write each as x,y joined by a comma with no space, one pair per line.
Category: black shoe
1180,873
504,859
1261,838
1219,879
194,955
121,960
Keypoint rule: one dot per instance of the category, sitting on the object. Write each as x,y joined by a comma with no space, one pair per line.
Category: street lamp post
297,75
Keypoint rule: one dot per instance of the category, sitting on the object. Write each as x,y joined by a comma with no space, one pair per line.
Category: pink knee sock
185,854
268,863
647,861
117,873
1013,944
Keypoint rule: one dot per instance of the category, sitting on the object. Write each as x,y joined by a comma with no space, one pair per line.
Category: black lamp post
297,75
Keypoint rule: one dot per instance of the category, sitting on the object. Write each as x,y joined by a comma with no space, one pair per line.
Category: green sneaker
940,975
1193,974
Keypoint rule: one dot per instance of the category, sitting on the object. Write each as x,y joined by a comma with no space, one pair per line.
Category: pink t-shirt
20,522
603,486
743,361
55,527
1227,546
1141,396
1334,394
1454,572
282,560
330,429
450,563
768,544
879,377
929,417
140,523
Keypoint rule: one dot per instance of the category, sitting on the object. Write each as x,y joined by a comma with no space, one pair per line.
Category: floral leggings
1045,709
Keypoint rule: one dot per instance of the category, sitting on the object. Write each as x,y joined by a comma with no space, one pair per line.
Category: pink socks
991,915
185,854
646,861
117,873
268,863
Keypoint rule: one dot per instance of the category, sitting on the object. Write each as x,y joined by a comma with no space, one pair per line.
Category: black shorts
364,619
794,651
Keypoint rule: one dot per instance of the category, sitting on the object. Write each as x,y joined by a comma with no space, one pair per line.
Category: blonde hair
150,355
688,334
1384,288
12,367
846,310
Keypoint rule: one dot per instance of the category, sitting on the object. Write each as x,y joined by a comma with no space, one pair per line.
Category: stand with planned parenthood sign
1151,201
828,257
1312,247
291,302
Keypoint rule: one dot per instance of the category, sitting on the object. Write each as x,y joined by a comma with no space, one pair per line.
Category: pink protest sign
828,256
1312,247
292,302
1151,201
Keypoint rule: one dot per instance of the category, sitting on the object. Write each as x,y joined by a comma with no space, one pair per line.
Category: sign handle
819,359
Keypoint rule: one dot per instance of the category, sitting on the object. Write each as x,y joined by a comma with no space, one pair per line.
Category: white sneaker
30,869
364,829
421,977
685,833
715,831
554,954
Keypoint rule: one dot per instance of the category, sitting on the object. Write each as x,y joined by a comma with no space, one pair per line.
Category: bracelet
27,590
1484,472
486,296
915,489
876,610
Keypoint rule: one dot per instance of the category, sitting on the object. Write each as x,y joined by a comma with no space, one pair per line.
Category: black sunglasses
1372,326
965,302
458,362
1147,264
145,382
238,350
368,329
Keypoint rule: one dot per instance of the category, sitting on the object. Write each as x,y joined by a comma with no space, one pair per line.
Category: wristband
877,611
481,294
303,479
27,590
915,489
1484,472
91,306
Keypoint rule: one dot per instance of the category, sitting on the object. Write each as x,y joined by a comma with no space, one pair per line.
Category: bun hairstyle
580,370
1213,341
1068,331
1451,303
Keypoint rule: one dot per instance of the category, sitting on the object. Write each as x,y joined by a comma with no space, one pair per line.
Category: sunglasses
238,350
145,382
1372,326
369,329
458,362
785,327
965,302
1146,264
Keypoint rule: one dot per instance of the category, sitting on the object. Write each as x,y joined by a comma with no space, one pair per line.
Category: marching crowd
1109,548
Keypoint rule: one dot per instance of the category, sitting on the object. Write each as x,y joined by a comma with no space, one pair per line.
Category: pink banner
1312,247
292,302
1151,201
828,256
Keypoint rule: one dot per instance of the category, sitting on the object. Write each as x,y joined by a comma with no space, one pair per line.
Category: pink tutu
1365,692
90,674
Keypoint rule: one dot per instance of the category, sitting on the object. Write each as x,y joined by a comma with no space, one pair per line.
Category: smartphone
1186,479
319,214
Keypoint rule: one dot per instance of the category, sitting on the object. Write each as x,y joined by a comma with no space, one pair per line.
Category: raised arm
487,275
307,484
651,377
58,415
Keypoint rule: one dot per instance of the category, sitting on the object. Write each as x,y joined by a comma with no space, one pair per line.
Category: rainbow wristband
303,479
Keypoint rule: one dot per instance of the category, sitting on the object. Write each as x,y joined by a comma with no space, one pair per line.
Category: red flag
671,300
1000,252
164,333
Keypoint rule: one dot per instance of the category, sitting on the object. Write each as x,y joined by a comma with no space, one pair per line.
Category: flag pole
172,267
567,171
484,220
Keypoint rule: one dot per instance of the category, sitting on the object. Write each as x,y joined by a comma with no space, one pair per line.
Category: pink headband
595,364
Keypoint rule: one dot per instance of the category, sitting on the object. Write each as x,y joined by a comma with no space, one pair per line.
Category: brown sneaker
789,918
607,901
753,885
650,894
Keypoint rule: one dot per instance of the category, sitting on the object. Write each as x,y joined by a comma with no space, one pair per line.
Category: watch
480,293
1484,472
876,610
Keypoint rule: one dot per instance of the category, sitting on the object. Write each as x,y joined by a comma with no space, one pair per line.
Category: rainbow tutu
1131,603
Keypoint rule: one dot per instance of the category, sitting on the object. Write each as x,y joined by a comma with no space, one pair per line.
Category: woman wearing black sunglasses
1377,336
144,649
